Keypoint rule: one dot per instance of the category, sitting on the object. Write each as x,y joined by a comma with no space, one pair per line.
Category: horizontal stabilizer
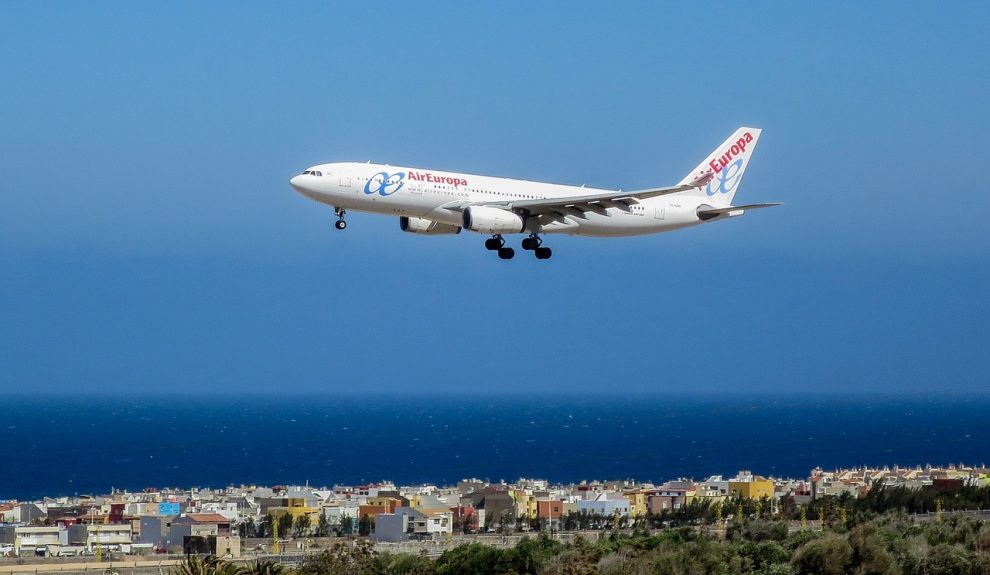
709,213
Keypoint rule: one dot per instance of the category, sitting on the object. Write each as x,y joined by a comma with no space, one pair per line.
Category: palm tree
264,568
209,565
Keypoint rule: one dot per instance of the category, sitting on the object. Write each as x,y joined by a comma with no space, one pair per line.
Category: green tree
406,564
983,539
264,568
323,526
198,565
346,525
365,525
529,554
300,527
247,528
762,555
870,557
829,555
474,558
946,560
284,525
503,521
356,558
264,529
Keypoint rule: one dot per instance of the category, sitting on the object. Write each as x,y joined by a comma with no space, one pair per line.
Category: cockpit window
312,173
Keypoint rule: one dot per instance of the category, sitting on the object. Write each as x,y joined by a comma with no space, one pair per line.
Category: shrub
946,560
829,555
870,557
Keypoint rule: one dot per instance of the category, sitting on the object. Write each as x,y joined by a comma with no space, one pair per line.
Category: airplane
435,202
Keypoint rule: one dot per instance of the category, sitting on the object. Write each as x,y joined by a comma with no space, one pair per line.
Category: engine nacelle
423,226
489,220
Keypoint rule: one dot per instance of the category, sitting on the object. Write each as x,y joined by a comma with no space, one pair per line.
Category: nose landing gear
340,223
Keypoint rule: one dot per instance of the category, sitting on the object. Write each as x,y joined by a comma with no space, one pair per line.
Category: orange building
549,509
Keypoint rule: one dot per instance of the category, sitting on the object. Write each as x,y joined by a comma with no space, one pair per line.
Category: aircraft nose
296,183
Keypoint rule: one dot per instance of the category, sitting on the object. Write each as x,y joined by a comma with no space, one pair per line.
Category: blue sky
149,240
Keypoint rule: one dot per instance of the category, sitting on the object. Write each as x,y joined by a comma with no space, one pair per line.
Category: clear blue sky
149,240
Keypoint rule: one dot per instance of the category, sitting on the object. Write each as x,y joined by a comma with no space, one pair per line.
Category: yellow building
296,507
755,488
711,496
570,507
525,504
637,502
386,501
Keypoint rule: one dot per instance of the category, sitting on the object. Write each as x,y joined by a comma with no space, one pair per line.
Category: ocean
53,446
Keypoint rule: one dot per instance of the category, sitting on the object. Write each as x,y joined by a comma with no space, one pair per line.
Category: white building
408,523
106,536
602,504
33,540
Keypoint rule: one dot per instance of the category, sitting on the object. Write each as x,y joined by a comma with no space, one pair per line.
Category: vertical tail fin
727,164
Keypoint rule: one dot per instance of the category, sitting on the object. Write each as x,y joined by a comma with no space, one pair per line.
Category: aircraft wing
591,202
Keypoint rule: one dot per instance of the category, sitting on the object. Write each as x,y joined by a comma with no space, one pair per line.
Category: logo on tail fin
726,180
721,172
719,164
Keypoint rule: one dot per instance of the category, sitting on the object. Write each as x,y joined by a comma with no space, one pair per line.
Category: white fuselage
413,192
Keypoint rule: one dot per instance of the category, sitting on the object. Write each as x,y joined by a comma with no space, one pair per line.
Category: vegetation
891,543
196,565
300,527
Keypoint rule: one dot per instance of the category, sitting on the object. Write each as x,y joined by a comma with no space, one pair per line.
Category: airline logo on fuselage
428,177
385,184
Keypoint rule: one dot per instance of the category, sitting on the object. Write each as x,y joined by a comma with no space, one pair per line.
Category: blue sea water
57,446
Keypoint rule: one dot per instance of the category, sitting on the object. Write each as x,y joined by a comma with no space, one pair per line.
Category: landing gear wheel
340,225
506,253
531,243
543,253
494,243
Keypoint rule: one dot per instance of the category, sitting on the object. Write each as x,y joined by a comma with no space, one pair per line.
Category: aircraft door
658,214
345,181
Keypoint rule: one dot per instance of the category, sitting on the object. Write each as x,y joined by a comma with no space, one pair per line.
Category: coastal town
232,521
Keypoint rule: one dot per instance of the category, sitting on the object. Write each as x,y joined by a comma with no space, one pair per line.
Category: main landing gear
340,224
497,244
534,244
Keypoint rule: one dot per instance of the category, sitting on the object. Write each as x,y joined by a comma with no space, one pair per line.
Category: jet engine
424,226
488,220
